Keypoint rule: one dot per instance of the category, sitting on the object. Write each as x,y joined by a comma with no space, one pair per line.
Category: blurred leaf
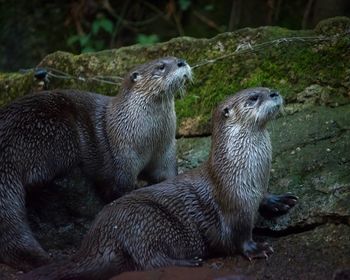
184,4
87,49
73,39
144,39
95,27
99,45
106,24
209,7
84,40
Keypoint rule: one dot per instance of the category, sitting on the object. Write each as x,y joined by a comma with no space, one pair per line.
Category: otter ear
226,112
134,76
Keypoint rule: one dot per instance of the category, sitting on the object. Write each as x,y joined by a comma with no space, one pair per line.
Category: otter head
164,76
252,107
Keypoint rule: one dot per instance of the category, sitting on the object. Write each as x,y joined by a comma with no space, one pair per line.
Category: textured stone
291,67
311,142
310,159
318,254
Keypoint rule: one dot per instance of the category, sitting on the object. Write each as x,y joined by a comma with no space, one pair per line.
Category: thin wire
247,47
242,48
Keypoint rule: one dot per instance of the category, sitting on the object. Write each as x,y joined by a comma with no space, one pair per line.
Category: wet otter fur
183,219
115,140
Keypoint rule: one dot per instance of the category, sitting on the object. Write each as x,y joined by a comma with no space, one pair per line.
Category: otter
181,220
115,140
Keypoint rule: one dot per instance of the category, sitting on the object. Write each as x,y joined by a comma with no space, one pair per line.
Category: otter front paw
195,262
256,250
276,205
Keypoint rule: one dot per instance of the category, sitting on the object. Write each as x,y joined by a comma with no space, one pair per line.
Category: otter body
183,219
115,140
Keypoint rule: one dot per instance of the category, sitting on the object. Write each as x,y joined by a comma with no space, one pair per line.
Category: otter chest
250,161
258,162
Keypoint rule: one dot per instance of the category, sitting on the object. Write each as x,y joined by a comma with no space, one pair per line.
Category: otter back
115,140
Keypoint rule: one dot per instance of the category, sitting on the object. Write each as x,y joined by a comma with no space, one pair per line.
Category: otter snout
181,63
183,69
276,97
274,94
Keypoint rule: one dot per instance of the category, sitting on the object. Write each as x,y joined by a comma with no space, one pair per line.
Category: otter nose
274,94
181,63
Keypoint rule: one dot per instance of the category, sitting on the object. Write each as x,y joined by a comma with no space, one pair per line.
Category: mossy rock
292,67
14,85
311,142
311,159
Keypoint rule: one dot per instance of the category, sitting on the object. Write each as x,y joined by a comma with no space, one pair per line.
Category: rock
310,159
316,254
288,65
314,95
333,25
342,274
191,152
61,213
183,273
14,85
311,141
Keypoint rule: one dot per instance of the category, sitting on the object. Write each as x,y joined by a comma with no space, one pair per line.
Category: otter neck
239,163
152,95
150,121
142,100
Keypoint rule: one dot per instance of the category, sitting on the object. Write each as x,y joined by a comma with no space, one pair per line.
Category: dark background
31,29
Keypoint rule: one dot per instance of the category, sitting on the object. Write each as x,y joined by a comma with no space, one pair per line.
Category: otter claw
254,250
197,261
277,205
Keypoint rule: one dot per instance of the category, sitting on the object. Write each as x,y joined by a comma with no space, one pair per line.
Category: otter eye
134,76
253,98
161,67
226,112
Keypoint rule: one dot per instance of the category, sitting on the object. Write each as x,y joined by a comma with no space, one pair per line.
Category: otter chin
183,220
115,140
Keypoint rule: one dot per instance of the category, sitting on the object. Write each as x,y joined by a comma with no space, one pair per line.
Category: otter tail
99,257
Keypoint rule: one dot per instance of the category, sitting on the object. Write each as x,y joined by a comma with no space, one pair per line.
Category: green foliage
102,23
145,40
209,7
92,41
184,4
101,31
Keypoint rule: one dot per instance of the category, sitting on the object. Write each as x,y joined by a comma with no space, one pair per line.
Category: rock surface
318,254
267,56
310,159
311,144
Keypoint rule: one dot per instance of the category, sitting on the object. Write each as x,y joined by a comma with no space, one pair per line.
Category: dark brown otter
183,219
115,140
